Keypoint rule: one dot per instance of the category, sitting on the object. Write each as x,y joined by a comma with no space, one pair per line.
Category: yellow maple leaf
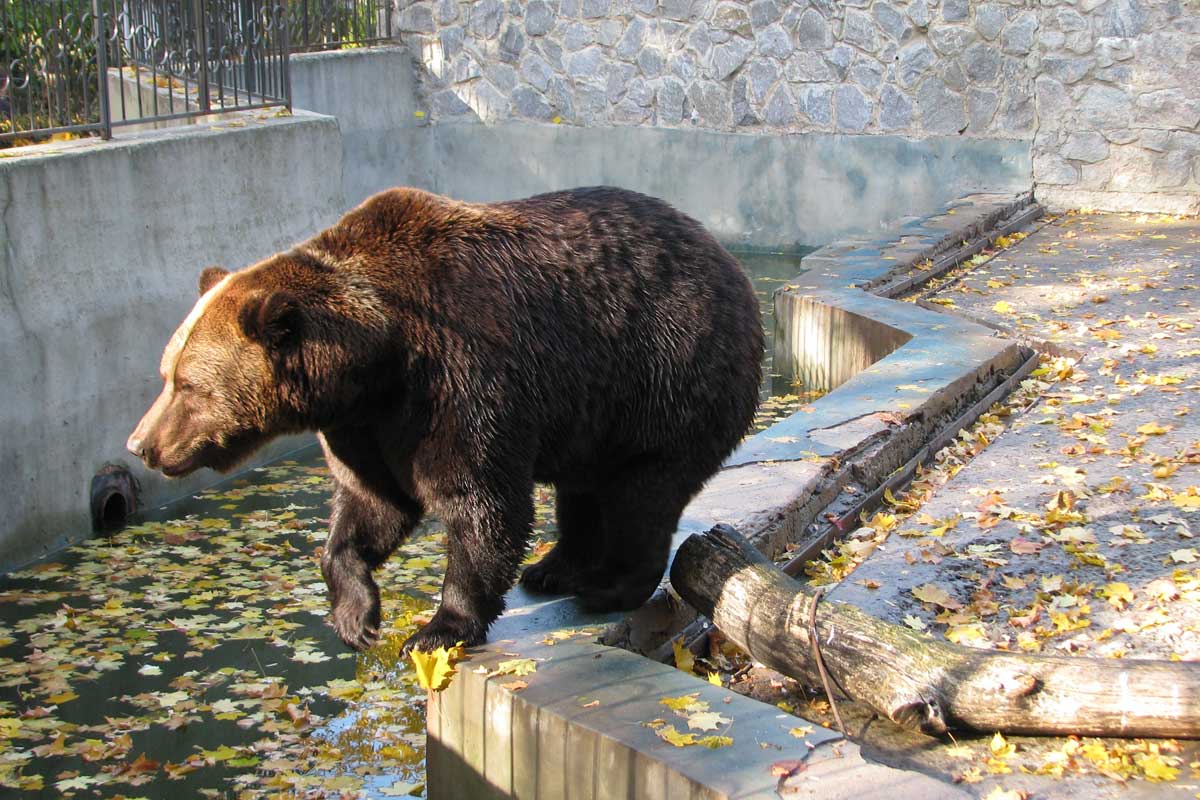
1153,429
1117,594
715,679
434,670
1188,498
713,742
684,660
1156,767
961,634
1003,307
1165,470
670,735
686,702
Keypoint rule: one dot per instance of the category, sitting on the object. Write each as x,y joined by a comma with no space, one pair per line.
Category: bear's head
224,372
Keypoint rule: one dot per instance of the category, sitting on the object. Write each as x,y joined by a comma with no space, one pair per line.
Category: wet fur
452,354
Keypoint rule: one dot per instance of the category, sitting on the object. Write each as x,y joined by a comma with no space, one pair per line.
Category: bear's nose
134,445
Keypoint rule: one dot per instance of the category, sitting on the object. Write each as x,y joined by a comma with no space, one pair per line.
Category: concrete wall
101,245
1106,92
751,191
372,93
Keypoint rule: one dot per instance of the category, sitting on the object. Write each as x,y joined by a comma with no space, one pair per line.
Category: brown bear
451,354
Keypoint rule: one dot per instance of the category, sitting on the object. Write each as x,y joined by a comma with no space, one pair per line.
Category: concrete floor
1118,431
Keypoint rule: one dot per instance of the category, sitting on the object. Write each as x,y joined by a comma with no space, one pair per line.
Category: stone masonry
1106,91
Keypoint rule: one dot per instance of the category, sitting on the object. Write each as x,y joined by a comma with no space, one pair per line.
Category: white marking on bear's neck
174,349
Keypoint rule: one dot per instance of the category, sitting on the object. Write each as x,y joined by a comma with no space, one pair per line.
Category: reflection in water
769,272
189,654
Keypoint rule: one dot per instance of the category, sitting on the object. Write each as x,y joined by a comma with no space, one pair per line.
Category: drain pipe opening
114,498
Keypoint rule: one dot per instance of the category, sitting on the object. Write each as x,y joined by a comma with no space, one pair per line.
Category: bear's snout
134,445
137,446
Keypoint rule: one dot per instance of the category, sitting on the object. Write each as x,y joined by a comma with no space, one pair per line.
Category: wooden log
920,682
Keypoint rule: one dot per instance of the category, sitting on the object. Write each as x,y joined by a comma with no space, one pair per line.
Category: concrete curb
900,372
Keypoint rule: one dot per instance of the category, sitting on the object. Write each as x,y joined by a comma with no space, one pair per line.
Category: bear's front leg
363,532
488,532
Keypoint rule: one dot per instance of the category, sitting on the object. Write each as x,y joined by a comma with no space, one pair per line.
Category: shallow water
188,654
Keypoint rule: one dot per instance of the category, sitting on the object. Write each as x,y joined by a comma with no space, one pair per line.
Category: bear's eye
182,385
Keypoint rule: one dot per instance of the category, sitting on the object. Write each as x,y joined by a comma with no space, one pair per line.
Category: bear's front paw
356,619
446,629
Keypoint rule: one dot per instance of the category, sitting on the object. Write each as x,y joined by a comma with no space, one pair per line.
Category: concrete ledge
911,372
579,732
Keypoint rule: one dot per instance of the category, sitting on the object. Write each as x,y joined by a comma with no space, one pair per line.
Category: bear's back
599,318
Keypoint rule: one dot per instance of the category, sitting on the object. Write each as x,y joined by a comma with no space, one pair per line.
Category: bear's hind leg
362,534
640,514
580,547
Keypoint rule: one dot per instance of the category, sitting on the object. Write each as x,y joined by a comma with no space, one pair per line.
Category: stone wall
1105,90
1118,105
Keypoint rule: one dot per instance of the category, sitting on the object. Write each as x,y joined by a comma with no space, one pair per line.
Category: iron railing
175,59
160,60
336,24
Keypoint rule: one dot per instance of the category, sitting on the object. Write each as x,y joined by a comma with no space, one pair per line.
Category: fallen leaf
707,721
684,660
671,736
434,670
516,666
931,593
686,703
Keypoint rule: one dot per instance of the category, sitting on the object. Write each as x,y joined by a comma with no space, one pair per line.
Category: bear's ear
270,317
210,277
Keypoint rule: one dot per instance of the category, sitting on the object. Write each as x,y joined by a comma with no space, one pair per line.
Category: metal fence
335,24
87,66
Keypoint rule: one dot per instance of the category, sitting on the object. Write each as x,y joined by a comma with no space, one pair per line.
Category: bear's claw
357,624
